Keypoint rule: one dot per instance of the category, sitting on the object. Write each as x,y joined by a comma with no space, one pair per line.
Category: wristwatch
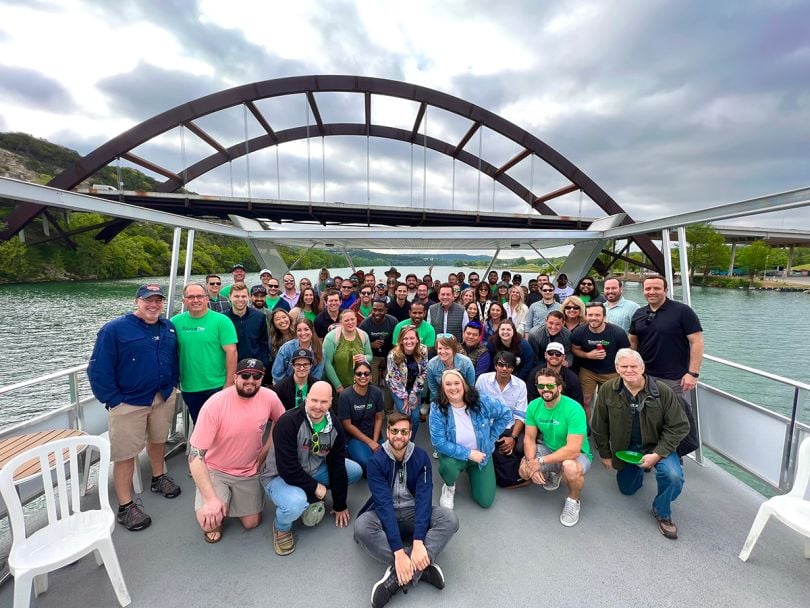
694,374
514,438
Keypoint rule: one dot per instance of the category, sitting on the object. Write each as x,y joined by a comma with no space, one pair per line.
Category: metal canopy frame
246,95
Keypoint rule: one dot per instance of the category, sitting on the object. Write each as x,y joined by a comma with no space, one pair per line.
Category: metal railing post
788,464
73,382
173,271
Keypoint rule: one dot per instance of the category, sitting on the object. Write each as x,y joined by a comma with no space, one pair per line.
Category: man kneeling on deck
561,449
401,484
636,412
226,450
308,457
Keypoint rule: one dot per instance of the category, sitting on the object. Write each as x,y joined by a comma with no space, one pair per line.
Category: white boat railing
757,439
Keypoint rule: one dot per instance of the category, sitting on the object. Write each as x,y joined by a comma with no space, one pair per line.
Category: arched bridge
246,97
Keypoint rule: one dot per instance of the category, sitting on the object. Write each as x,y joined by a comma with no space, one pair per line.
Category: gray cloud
34,90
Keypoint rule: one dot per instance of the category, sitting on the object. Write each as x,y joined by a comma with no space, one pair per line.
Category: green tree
754,258
707,249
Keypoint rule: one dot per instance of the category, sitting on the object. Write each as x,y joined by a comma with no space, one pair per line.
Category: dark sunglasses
365,293
552,353
403,432
256,376
271,286
362,374
215,282
572,308
547,290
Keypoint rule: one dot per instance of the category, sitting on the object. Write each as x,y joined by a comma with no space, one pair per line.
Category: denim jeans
370,535
359,452
291,501
668,475
414,414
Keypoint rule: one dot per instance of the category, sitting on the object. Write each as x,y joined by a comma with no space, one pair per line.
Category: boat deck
515,553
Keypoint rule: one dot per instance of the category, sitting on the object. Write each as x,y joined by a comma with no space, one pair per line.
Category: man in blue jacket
401,506
133,371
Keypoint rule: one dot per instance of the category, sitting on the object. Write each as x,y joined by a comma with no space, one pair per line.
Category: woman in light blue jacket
448,357
305,338
464,427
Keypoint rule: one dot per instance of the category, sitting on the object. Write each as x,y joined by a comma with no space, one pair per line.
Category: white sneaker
448,497
570,513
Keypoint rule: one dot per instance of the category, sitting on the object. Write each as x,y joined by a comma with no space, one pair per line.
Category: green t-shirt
225,292
310,315
271,302
200,342
365,311
425,331
319,426
554,425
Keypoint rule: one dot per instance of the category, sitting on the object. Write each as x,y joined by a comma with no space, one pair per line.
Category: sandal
217,532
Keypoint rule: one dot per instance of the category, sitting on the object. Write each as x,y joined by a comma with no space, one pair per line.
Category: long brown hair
317,345
399,353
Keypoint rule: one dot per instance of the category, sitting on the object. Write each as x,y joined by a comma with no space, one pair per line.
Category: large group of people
520,386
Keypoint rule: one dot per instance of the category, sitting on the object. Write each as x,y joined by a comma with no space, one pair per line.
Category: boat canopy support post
686,298
666,249
349,259
686,289
584,254
301,257
264,251
492,261
544,258
175,260
789,265
189,257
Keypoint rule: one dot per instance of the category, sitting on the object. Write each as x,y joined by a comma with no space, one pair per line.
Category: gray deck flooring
515,553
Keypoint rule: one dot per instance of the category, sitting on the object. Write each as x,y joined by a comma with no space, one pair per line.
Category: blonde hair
577,302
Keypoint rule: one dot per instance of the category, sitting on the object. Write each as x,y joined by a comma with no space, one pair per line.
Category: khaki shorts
131,426
243,495
590,380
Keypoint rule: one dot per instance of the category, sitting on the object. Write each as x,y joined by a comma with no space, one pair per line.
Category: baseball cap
258,289
555,347
265,271
149,289
330,282
237,266
303,353
246,365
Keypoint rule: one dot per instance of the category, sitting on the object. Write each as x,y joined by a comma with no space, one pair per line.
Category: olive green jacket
663,422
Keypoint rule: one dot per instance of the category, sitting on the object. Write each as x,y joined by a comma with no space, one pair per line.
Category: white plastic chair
70,533
792,509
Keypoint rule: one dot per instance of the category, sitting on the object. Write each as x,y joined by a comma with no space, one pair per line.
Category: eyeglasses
547,290
395,431
315,443
215,282
365,293
345,286
202,297
549,387
362,374
302,364
553,353
256,376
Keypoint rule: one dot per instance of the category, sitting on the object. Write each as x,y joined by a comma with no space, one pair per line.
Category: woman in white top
516,309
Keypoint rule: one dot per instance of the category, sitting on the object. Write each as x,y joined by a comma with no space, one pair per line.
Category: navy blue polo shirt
662,340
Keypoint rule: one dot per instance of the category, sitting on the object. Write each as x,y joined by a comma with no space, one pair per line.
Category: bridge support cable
545,259
247,154
492,261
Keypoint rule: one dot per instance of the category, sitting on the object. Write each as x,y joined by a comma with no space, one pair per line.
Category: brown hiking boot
666,526
283,542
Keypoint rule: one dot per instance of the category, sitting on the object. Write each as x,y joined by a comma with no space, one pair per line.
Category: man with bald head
307,459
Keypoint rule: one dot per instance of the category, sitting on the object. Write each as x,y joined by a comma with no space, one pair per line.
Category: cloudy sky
668,105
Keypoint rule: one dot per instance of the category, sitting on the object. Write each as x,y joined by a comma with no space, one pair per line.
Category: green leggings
482,481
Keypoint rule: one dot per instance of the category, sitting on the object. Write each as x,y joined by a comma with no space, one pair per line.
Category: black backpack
689,443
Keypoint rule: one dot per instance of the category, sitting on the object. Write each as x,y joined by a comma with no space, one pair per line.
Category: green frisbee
629,456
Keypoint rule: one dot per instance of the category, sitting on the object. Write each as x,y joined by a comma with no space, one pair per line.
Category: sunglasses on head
253,376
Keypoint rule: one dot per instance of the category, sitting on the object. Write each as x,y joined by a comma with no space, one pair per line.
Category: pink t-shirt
231,427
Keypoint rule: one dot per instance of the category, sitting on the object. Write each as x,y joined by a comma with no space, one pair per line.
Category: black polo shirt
662,340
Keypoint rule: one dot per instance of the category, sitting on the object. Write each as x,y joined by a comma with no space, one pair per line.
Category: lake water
52,326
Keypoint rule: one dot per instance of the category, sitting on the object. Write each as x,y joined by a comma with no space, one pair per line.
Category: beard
248,391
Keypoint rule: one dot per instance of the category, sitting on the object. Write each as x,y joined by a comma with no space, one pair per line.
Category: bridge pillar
264,252
731,262
584,254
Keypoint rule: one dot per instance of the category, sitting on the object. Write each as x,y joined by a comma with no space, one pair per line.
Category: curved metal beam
308,85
